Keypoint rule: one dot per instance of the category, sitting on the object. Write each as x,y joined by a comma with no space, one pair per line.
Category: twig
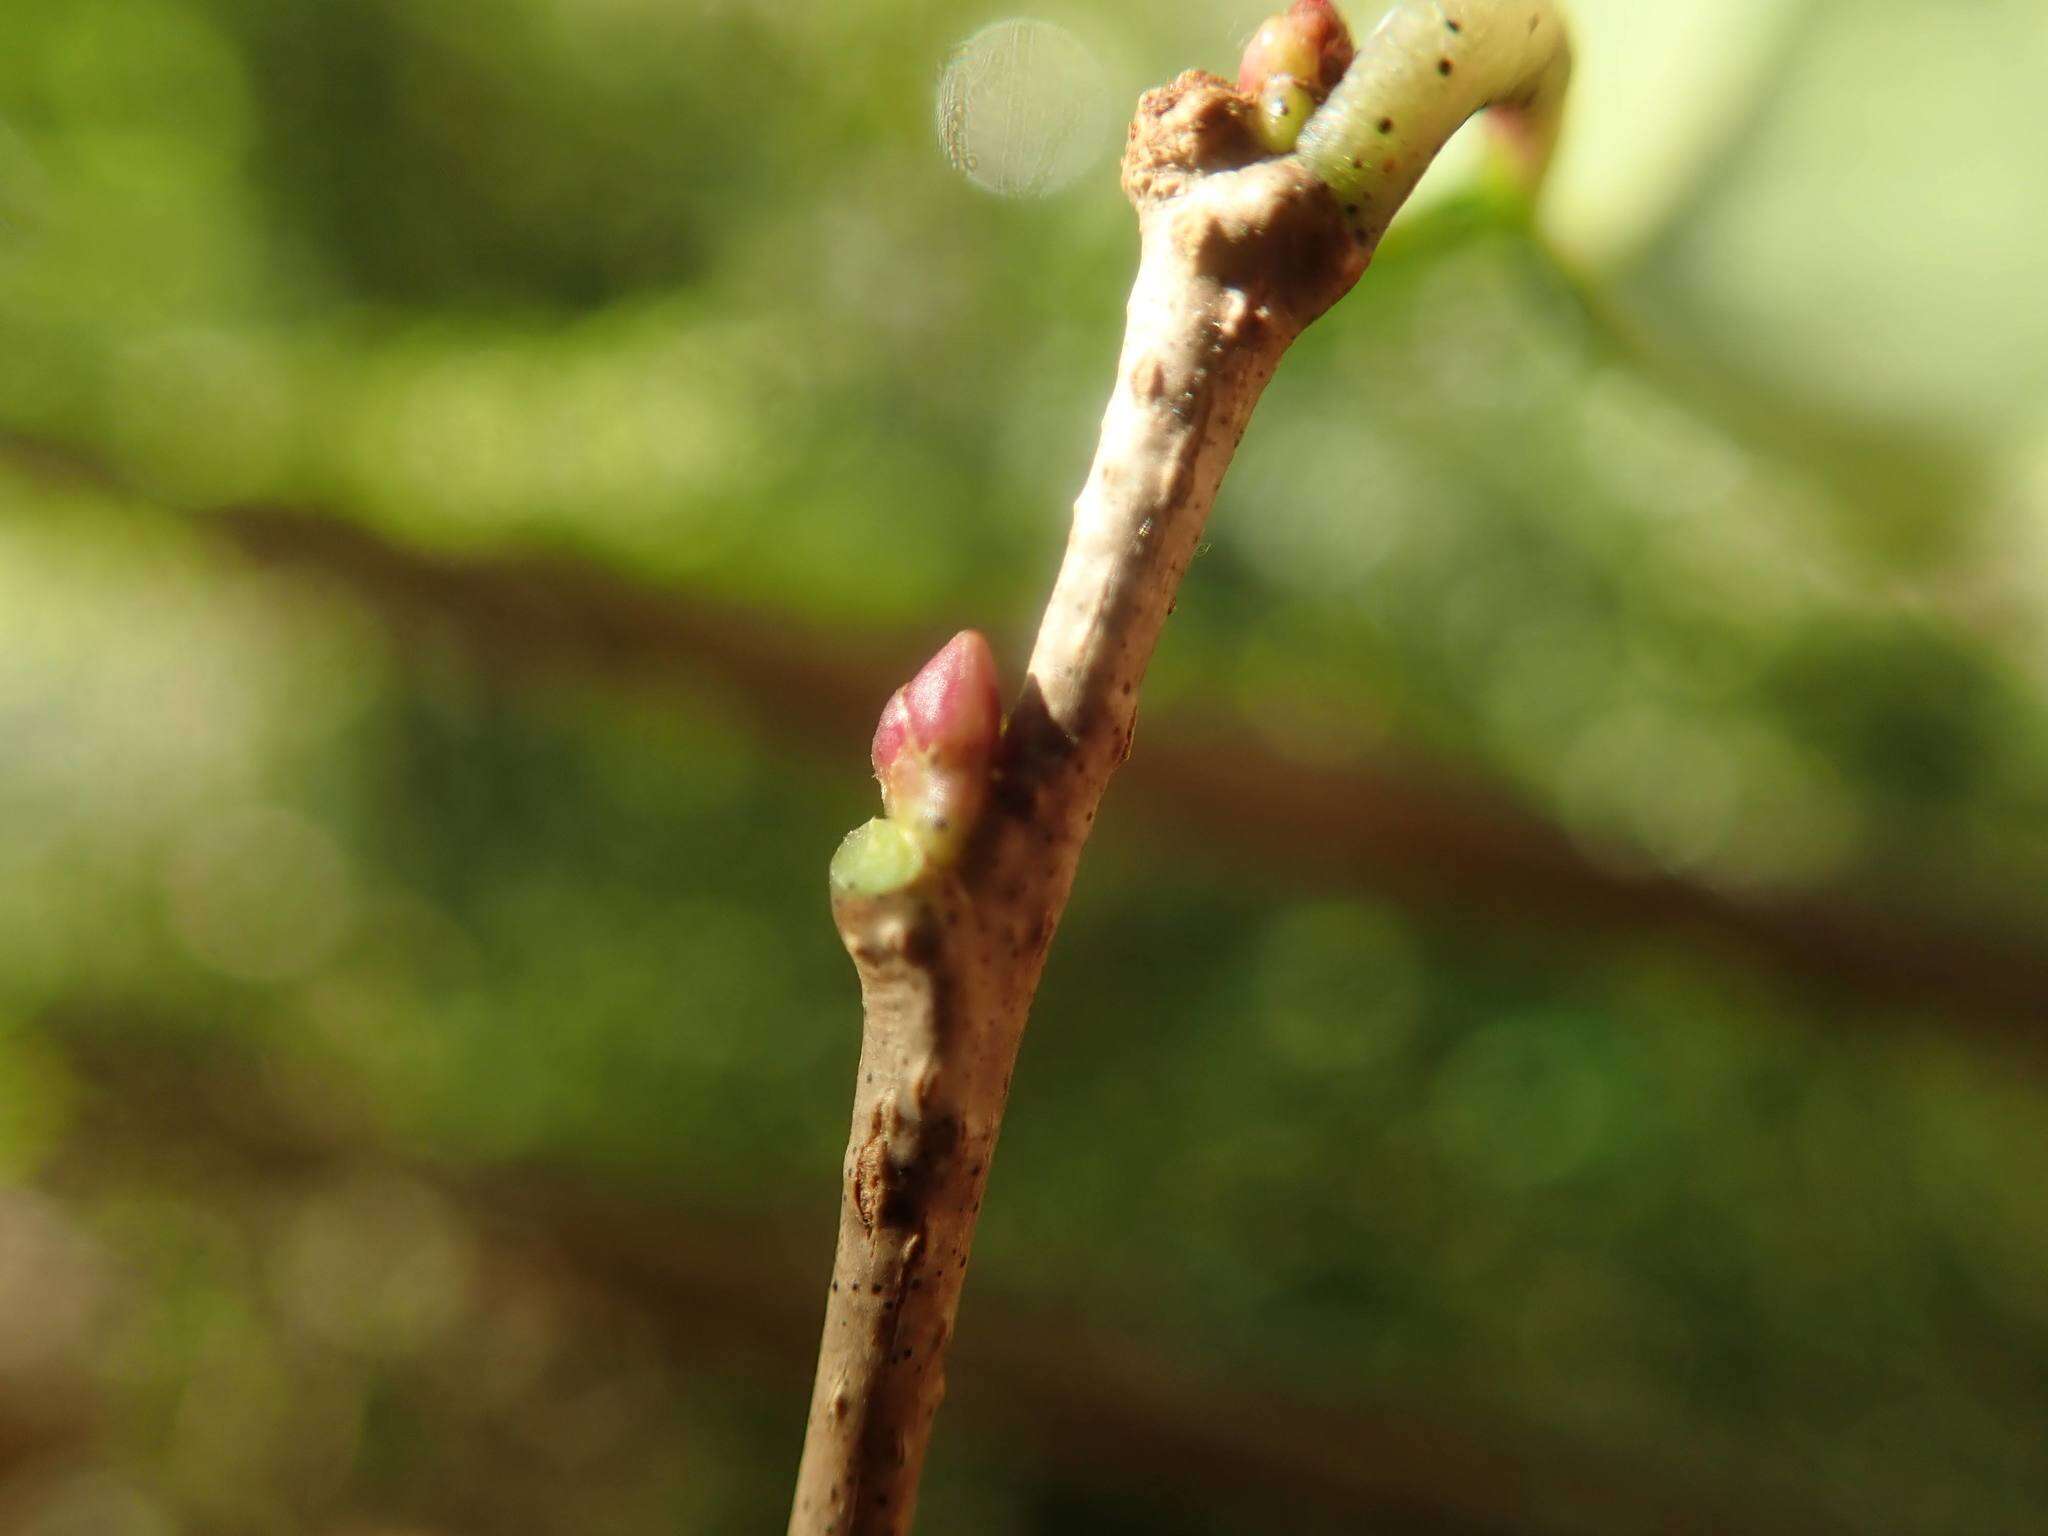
1238,252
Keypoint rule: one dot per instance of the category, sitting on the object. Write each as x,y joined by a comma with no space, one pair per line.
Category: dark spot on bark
1390,165
1443,66
871,1181
1455,26
1386,125
921,943
898,1199
1295,259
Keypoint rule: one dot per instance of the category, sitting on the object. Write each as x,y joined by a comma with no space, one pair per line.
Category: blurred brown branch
1411,829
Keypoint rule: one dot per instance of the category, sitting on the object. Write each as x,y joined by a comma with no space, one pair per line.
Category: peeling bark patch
870,1180
1199,123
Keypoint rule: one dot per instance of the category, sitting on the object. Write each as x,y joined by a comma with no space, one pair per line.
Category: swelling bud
935,743
1307,42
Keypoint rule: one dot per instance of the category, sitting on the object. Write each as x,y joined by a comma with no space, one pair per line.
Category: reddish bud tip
954,704
935,740
1308,41
956,701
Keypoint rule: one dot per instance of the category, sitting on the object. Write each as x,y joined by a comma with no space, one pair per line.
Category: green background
1548,1033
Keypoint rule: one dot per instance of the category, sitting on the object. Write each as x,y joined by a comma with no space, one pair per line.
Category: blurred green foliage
353,985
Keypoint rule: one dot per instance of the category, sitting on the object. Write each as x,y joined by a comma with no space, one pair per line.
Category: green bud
1284,105
876,858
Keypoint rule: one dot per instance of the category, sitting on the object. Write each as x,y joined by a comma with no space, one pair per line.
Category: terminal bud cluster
1293,61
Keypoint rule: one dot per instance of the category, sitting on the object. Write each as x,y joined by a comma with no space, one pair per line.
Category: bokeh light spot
50,1285
95,1504
260,894
1524,1102
378,1264
1023,108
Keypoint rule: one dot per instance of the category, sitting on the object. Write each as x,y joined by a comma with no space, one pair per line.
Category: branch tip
1292,62
1427,67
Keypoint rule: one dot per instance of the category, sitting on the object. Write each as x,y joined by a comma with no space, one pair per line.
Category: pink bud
935,741
1307,41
